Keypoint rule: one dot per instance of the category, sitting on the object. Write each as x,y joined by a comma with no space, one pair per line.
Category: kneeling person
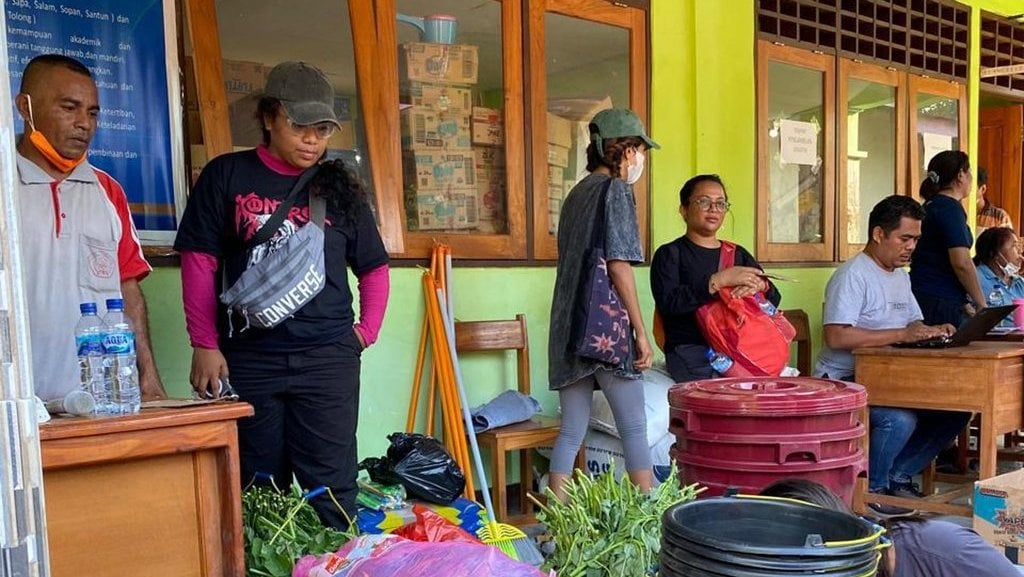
868,303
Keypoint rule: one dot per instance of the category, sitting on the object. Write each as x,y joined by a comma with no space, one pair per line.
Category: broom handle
466,416
414,401
455,436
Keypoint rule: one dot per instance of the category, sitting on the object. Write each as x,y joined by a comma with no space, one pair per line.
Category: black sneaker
905,490
885,511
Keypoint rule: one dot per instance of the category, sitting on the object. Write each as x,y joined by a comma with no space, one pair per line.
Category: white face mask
633,173
1010,269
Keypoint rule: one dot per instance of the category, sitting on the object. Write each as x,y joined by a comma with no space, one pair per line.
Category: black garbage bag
421,465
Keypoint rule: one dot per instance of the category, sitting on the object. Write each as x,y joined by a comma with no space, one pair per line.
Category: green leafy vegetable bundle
279,527
607,528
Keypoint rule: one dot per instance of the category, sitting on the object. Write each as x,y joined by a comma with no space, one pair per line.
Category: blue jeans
904,441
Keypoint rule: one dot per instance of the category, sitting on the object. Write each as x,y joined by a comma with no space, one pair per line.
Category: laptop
974,329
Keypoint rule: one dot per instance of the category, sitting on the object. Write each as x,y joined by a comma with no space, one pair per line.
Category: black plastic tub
769,527
765,563
676,559
672,567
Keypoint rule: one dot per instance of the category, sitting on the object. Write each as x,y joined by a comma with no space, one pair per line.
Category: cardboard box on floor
999,513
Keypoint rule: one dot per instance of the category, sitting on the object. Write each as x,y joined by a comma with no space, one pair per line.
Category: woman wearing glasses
302,375
685,275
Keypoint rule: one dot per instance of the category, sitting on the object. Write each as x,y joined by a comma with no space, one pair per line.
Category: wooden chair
798,318
540,431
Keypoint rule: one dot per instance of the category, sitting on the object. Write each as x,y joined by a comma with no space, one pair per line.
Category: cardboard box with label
453,208
437,96
558,155
424,128
439,169
447,63
560,131
488,126
999,513
242,78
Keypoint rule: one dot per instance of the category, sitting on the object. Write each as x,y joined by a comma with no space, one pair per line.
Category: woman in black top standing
685,275
942,275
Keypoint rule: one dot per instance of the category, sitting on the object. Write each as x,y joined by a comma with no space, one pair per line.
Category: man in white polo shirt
78,243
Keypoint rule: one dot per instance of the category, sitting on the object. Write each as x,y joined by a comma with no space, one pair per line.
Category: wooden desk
984,377
153,494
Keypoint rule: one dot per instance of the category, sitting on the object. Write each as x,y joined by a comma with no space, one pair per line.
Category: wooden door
999,151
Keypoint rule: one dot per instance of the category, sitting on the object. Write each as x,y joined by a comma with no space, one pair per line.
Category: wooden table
153,494
984,377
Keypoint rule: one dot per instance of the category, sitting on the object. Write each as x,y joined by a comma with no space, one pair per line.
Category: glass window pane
452,118
256,36
796,147
870,152
938,128
587,71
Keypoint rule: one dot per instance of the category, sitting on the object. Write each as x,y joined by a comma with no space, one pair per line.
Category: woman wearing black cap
615,159
302,375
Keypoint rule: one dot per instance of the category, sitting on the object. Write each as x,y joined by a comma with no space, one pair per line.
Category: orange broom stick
450,398
455,433
414,401
432,389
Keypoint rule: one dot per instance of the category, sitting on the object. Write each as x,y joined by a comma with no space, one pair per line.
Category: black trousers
688,363
306,411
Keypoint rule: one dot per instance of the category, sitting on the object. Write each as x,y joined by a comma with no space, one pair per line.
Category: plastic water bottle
89,343
119,359
719,362
765,304
995,298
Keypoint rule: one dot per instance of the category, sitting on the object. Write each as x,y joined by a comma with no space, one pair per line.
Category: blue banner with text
122,43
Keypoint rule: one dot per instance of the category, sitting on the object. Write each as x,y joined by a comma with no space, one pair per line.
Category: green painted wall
702,111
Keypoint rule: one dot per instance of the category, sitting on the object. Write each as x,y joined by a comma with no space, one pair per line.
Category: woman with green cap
615,160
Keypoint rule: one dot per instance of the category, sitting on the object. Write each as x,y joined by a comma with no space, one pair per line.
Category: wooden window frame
849,69
374,38
509,246
826,64
381,122
599,11
920,84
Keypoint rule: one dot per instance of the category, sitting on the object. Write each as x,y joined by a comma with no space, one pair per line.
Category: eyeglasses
323,130
706,203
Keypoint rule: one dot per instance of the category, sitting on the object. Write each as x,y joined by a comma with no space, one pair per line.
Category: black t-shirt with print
235,194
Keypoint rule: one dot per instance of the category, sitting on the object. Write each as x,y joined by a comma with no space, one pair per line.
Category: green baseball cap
304,91
617,123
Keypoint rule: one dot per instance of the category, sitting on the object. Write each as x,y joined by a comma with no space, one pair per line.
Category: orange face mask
46,149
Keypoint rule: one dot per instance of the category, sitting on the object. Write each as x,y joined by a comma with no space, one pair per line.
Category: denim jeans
904,441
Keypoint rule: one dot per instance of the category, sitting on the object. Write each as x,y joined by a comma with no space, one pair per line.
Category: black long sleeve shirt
680,273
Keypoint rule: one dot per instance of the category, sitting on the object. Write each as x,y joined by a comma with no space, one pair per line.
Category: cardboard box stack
446,175
999,513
